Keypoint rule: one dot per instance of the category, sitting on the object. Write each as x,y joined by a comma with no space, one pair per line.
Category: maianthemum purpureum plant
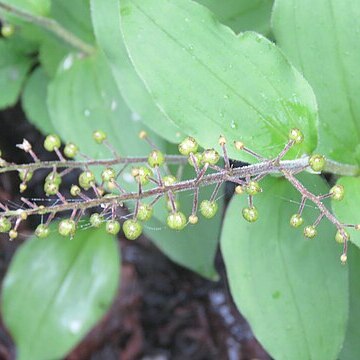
202,91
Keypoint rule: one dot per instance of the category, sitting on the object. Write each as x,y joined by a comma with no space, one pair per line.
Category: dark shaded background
162,311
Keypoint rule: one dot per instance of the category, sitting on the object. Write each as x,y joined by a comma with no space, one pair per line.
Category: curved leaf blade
56,289
321,38
284,285
211,82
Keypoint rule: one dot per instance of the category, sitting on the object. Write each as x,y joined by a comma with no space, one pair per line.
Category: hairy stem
51,26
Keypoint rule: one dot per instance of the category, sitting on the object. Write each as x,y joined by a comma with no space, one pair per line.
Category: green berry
317,162
296,220
187,146
250,214
112,227
22,187
86,179
176,220
52,142
132,229
145,212
42,231
51,188
193,219
142,174
71,150
5,224
340,238
75,190
99,136
108,174
337,192
7,30
25,175
53,177
197,158
156,158
208,208
96,220
13,234
310,231
169,180
210,156
67,227
253,188
296,135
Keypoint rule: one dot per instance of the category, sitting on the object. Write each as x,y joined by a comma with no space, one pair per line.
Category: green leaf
34,101
351,347
348,210
242,15
14,66
56,289
210,81
34,7
83,97
292,291
106,21
321,38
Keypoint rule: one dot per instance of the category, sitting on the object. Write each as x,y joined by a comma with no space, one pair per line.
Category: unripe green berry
340,238
210,156
239,190
53,177
253,188
197,158
108,174
145,212
22,187
67,227
112,227
337,192
7,30
42,231
176,220
317,162
296,220
187,146
142,174
51,188
71,150
357,227
75,190
250,214
343,259
25,175
13,234
5,224
99,136
132,229
169,180
86,179
310,231
156,158
193,219
208,208
52,142
296,135
96,220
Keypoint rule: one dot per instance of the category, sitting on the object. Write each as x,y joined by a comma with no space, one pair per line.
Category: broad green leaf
14,66
106,21
321,38
242,15
210,81
56,289
348,210
351,347
293,291
34,7
34,101
83,97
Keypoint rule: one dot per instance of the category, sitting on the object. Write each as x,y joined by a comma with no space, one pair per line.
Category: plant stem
50,25
338,168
